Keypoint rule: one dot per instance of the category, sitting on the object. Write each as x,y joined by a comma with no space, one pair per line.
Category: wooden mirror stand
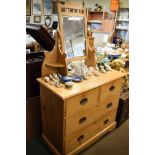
56,61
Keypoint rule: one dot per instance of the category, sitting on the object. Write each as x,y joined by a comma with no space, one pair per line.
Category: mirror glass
74,36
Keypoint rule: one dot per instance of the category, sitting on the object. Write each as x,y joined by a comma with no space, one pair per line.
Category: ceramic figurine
102,69
77,68
96,67
51,77
46,78
71,72
56,76
107,67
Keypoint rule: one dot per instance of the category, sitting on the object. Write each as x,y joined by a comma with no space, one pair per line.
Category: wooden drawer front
107,119
77,138
81,119
82,101
108,104
111,89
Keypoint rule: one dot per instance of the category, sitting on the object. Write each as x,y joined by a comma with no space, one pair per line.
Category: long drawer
79,137
81,120
81,102
111,89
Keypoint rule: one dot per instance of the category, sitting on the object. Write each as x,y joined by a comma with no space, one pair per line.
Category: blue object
65,78
115,56
77,78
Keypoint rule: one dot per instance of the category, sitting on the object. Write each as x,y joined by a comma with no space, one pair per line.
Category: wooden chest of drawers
72,119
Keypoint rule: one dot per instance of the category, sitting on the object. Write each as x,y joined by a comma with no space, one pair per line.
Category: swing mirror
72,19
74,38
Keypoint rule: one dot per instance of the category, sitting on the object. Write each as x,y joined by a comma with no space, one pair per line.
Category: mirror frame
77,10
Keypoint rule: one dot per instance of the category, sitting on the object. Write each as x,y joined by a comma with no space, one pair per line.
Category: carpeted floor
115,143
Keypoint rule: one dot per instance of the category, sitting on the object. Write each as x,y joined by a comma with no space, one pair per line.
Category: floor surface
115,143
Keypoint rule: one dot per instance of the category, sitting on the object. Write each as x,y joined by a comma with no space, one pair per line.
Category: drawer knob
81,138
106,121
82,120
112,88
109,105
83,101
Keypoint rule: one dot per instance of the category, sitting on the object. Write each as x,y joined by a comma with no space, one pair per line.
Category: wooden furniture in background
33,118
122,24
123,109
100,22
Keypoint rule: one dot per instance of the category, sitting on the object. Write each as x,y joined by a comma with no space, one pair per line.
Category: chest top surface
85,85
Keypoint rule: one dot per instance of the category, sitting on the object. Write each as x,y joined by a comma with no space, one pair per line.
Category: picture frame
54,7
47,7
27,19
48,21
28,7
37,7
37,19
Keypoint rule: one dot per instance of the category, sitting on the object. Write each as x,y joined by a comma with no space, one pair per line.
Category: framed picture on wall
48,21
47,7
27,19
37,19
54,7
28,7
37,7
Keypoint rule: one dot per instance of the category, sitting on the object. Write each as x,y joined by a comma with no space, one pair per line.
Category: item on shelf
117,64
117,41
68,84
107,67
98,7
77,78
78,68
65,78
46,78
55,80
114,5
114,56
102,69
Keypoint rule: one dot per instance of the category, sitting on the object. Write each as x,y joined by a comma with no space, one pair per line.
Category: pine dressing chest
72,119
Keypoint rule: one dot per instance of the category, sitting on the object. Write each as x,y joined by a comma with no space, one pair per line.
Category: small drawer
111,89
107,119
108,104
77,138
81,120
81,102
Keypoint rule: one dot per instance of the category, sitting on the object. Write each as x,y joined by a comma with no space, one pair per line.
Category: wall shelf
119,28
95,21
122,20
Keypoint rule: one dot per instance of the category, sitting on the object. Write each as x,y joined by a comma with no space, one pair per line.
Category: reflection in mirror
74,36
